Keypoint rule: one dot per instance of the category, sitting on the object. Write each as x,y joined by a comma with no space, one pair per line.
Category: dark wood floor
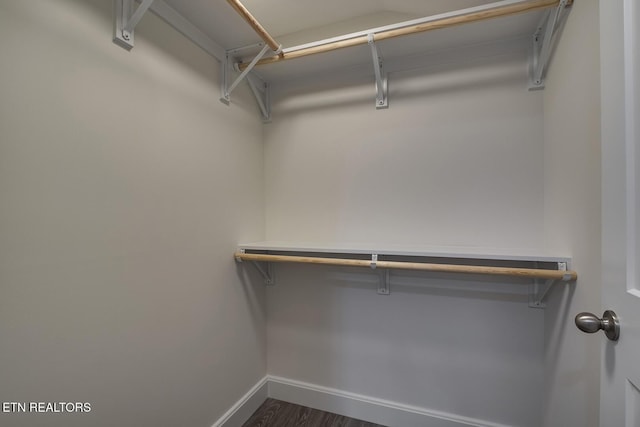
276,413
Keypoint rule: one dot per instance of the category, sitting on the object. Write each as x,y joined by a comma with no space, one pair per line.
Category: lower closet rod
530,273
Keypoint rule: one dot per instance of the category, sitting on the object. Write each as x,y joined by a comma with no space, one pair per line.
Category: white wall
572,218
125,186
456,160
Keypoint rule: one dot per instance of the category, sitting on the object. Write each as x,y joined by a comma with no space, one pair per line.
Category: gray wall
572,218
456,160
125,186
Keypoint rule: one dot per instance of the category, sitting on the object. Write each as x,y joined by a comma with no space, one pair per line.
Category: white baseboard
340,402
239,413
365,408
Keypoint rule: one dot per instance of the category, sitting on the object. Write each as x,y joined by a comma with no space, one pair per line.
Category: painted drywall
457,159
572,218
125,186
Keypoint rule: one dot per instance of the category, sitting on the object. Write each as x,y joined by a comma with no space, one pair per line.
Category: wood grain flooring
276,413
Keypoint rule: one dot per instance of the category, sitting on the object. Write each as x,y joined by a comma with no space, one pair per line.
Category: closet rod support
540,289
262,94
267,274
126,20
543,40
381,78
383,285
226,95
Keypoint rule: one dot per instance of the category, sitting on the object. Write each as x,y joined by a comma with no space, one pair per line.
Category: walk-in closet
400,213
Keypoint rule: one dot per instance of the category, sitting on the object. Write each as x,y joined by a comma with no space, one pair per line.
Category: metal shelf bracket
382,100
266,272
540,289
126,19
374,261
226,88
262,92
259,89
383,285
543,41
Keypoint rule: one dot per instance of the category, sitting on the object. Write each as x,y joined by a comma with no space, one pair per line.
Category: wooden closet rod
253,22
435,24
530,273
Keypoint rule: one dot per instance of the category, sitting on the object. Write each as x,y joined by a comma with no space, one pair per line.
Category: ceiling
294,22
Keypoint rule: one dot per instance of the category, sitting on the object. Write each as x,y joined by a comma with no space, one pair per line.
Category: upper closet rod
480,13
251,20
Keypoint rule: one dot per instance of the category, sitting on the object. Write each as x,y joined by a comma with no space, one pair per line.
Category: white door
620,58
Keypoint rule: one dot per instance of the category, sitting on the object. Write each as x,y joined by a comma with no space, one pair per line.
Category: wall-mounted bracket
543,41
383,285
259,88
540,288
126,20
266,272
382,100
538,292
262,92
226,88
